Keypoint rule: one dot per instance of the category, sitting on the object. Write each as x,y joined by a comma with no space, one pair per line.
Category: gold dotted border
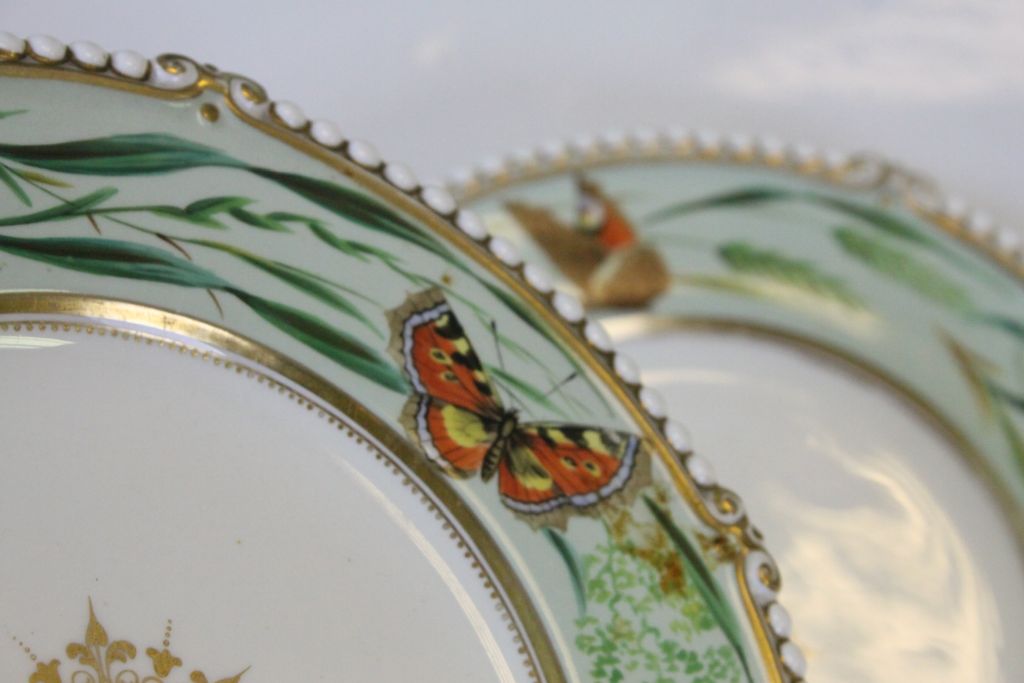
175,76
333,419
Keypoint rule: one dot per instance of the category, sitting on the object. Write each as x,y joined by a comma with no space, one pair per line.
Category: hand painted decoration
600,253
546,471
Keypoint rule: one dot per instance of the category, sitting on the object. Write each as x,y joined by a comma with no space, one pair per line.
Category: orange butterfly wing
429,343
454,411
453,438
553,468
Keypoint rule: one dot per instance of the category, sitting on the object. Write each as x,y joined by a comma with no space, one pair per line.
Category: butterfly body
544,470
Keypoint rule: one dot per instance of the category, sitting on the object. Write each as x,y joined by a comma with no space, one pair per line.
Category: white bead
1007,240
47,48
613,140
469,223
459,179
401,176
804,154
793,659
644,139
677,136
505,252
439,199
980,224
597,335
708,140
762,593
652,402
835,159
740,144
568,306
492,168
770,147
955,208
326,133
363,153
289,114
89,54
554,151
523,158
537,278
130,64
11,44
779,620
700,470
584,145
626,369
677,436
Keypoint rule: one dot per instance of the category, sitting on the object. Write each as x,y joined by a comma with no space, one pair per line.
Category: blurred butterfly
545,470
600,253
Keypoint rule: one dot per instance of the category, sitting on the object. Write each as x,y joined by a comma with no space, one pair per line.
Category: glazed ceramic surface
234,454
843,346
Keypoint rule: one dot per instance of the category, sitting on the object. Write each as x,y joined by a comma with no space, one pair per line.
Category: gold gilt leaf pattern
100,660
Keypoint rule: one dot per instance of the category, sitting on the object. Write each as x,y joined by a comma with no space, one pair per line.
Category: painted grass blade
113,258
302,280
745,258
572,565
901,267
339,346
8,179
137,154
358,208
883,220
73,207
704,582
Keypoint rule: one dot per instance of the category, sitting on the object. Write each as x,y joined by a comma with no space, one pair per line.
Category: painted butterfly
600,252
545,470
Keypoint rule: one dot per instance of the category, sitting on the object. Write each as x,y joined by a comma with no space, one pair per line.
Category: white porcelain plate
275,411
842,344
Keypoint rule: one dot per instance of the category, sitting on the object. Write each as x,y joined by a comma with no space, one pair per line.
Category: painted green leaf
275,221
306,282
12,184
572,565
136,154
335,344
704,582
747,259
203,212
883,220
349,247
903,268
114,258
140,262
12,112
359,208
72,207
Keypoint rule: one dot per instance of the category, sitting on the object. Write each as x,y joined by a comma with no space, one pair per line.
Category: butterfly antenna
497,345
556,387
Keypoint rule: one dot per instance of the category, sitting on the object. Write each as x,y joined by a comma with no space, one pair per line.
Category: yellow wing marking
463,427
